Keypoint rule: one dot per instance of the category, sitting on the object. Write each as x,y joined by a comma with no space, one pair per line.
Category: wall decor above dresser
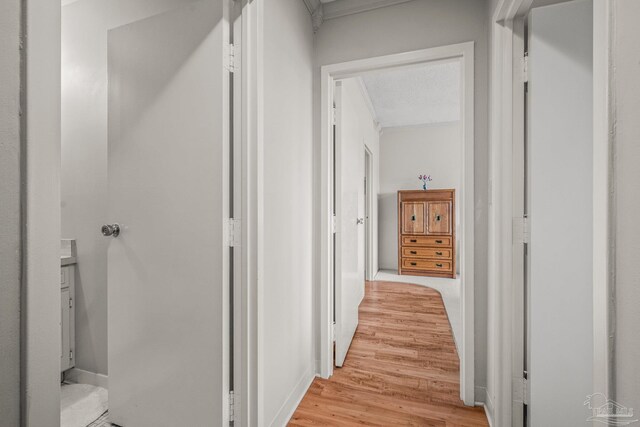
426,233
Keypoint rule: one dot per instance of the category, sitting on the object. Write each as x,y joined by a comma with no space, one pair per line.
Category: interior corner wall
287,280
626,92
10,245
405,27
405,153
84,157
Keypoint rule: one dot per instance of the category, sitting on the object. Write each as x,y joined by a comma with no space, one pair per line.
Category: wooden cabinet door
439,217
413,218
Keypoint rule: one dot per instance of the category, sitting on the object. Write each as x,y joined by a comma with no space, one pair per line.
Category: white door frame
331,73
506,142
250,400
369,200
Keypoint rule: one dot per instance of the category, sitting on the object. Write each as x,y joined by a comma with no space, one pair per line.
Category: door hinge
521,230
70,354
521,390
333,332
70,302
525,68
234,230
231,58
334,115
232,406
333,224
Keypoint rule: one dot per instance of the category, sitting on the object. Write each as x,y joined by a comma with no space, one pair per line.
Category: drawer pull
438,265
414,252
438,253
413,263
438,241
414,241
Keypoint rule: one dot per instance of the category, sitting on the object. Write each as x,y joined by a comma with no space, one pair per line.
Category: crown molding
321,11
316,10
340,8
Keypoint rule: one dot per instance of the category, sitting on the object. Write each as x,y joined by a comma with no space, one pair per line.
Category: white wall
287,280
405,153
84,158
10,212
626,90
410,26
560,167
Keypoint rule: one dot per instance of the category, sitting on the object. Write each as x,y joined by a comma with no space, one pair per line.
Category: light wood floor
402,367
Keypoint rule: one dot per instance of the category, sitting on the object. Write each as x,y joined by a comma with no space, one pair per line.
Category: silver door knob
360,221
110,230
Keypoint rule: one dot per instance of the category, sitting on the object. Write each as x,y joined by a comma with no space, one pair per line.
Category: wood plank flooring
402,367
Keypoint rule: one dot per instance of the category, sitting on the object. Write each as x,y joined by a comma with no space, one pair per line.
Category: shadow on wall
388,232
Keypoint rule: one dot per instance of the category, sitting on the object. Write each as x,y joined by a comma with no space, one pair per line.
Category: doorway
128,113
329,76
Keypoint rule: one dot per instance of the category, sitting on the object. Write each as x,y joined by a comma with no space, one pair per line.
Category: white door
349,265
560,258
168,268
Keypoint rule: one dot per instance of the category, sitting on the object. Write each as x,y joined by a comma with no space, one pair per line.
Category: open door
168,191
349,286
559,203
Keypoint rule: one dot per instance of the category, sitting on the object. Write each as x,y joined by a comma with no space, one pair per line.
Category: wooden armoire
426,233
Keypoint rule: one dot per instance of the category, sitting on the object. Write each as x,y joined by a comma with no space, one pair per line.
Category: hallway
402,367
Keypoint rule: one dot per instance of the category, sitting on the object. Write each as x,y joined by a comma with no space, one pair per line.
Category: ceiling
425,94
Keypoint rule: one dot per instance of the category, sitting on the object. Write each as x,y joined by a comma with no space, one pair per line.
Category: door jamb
330,73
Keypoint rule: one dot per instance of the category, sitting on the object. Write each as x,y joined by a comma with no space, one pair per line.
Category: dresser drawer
426,264
423,252
444,241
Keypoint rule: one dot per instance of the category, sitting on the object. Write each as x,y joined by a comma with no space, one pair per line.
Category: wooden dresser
426,233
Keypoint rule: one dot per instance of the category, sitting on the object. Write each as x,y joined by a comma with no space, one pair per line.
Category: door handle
360,221
110,230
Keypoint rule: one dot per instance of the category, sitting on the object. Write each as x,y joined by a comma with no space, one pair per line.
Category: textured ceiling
417,95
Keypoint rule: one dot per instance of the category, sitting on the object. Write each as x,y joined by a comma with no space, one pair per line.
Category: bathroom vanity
67,306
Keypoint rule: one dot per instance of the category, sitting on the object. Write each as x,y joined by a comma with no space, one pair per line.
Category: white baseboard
484,399
291,404
80,376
